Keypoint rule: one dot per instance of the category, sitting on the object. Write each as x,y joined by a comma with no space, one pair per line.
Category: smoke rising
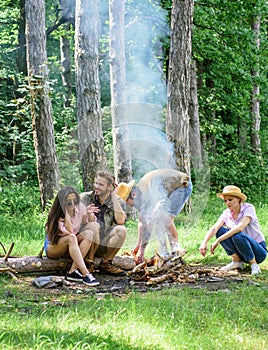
146,25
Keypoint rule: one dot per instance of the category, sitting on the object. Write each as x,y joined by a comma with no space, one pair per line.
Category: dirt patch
122,285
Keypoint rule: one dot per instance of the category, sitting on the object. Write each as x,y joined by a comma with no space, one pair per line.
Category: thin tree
195,141
179,75
90,138
122,158
21,51
67,13
41,109
255,99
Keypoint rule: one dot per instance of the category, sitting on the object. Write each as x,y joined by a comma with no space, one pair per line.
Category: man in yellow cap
109,212
159,197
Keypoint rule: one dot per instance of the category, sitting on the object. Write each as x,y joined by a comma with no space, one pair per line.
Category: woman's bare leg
68,244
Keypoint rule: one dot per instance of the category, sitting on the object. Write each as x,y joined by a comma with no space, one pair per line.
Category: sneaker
110,269
90,280
180,253
74,276
163,253
255,269
233,265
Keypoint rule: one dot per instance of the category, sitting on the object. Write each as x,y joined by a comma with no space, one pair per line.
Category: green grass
182,318
172,318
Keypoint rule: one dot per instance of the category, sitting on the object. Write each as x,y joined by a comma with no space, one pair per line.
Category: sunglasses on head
71,202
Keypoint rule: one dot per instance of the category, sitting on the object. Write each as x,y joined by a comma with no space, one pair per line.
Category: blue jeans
244,246
177,199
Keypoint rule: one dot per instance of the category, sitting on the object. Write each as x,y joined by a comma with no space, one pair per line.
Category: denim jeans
244,246
177,199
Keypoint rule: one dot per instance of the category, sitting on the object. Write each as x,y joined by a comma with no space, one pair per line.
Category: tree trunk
29,264
21,51
122,157
255,100
90,138
67,14
242,132
179,82
65,54
41,109
194,136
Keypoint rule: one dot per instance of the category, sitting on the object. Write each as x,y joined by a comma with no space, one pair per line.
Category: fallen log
28,264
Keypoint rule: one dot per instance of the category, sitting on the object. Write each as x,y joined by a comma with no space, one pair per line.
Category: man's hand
138,253
203,249
139,258
135,250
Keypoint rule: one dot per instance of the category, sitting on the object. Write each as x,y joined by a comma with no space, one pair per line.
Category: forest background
229,49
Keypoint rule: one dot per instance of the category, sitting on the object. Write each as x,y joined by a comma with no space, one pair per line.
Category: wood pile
157,270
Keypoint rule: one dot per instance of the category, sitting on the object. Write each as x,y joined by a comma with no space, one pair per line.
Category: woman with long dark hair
68,233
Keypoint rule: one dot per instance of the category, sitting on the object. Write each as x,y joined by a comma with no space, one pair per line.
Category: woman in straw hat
238,232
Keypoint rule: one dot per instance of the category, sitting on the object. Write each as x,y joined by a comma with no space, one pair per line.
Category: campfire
157,270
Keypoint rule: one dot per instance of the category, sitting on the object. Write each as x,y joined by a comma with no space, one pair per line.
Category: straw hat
124,189
232,191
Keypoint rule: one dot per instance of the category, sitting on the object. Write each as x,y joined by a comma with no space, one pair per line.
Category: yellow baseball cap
124,189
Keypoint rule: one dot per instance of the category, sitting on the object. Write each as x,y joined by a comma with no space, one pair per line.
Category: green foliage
17,158
18,198
241,169
226,54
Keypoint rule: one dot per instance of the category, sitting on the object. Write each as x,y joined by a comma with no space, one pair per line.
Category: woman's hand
203,249
92,208
214,246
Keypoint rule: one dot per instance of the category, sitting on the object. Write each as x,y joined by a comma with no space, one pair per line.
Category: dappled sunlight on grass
170,319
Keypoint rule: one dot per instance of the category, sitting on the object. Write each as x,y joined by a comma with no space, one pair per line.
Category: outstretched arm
238,228
143,239
211,232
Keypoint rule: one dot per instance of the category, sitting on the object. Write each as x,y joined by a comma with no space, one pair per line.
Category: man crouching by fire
159,197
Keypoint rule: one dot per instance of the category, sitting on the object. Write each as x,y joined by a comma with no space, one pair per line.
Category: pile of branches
157,270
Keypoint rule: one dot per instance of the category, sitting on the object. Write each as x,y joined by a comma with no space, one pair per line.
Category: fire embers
157,269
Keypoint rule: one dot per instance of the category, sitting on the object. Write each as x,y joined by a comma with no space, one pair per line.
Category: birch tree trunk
90,138
179,82
65,55
67,12
194,133
255,100
41,109
122,157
